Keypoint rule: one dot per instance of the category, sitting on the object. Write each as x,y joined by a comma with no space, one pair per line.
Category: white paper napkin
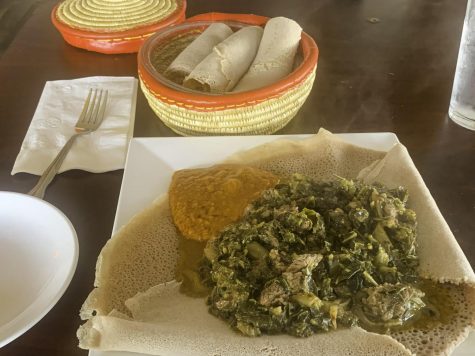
53,124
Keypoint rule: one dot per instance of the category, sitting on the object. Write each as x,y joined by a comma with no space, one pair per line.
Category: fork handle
49,173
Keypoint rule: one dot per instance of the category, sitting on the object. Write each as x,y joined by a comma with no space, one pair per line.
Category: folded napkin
53,124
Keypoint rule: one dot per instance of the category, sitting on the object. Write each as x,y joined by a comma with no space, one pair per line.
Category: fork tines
93,109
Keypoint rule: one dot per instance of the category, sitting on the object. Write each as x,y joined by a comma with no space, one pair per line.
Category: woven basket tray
111,27
191,113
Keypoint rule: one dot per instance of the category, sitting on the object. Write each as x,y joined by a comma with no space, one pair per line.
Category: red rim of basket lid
128,41
203,102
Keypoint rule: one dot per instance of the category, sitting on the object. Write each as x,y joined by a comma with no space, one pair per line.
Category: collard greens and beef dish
312,256
308,253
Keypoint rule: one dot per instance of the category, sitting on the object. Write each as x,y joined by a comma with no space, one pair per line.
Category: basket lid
108,26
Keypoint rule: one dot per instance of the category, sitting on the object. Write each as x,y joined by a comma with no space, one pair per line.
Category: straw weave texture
251,118
114,15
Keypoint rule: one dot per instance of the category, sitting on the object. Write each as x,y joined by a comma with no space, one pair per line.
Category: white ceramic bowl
38,257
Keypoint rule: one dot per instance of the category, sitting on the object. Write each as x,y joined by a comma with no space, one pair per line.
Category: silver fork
90,119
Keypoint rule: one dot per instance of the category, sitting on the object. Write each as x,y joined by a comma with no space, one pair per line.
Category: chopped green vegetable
312,256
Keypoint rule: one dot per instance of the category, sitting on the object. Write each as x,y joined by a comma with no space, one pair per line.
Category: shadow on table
13,13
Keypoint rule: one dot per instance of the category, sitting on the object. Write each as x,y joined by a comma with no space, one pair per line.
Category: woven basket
110,27
191,113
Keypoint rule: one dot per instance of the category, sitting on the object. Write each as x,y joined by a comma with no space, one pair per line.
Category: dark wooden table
395,75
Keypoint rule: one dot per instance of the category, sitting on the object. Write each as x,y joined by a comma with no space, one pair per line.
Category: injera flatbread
143,255
226,64
196,51
158,311
275,56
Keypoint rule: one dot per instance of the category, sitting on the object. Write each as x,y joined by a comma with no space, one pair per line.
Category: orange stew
204,201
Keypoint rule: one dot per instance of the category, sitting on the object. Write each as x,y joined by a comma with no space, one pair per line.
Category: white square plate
152,161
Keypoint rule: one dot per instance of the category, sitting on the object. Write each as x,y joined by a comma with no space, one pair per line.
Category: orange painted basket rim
156,82
137,32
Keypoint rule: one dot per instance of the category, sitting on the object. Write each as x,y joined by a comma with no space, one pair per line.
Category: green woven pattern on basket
113,15
262,118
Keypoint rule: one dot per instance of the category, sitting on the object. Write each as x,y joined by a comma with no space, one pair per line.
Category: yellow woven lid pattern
113,15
